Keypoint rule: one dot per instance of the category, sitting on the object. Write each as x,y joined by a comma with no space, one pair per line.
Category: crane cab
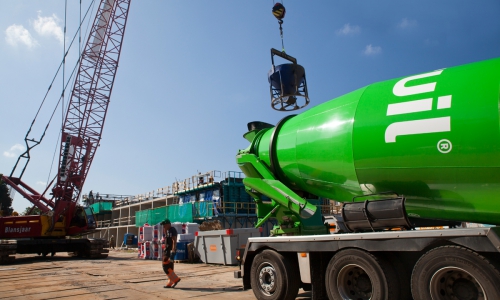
83,221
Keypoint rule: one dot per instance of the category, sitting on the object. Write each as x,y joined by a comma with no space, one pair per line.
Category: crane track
83,248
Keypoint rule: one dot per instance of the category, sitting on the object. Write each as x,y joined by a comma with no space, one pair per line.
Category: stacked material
192,227
179,227
188,231
148,233
157,233
185,231
185,237
150,244
155,250
144,250
140,243
141,233
157,242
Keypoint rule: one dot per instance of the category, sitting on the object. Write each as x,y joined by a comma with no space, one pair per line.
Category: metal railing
226,209
199,180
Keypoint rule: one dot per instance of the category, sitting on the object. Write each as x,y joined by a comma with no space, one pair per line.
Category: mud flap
318,263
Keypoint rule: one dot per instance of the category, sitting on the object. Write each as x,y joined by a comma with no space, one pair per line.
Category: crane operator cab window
91,224
79,219
83,217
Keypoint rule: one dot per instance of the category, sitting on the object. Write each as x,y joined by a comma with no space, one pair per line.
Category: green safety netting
142,217
186,212
102,207
181,212
176,213
157,215
151,216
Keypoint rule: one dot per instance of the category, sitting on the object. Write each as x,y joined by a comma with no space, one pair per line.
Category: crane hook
279,12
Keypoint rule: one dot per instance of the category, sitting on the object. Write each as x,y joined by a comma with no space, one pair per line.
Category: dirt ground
120,276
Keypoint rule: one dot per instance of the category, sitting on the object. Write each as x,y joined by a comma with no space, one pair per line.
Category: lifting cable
279,12
74,69
64,60
26,154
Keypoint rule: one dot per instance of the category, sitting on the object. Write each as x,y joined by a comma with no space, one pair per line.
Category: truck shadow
303,295
225,289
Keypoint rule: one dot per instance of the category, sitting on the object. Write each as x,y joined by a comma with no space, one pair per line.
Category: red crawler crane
81,134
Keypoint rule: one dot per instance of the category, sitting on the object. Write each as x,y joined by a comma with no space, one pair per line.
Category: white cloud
14,151
372,50
49,26
8,154
17,34
406,23
348,30
41,183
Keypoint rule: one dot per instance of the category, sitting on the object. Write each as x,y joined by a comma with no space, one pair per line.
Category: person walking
112,242
170,234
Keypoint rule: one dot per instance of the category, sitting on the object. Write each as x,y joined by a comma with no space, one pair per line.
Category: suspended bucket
288,84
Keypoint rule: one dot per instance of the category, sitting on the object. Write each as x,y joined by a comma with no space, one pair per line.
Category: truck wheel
356,274
273,277
453,272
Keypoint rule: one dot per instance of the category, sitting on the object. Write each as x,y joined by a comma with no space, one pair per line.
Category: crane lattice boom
82,129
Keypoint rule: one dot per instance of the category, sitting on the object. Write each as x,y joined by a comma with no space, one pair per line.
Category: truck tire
357,274
454,272
273,277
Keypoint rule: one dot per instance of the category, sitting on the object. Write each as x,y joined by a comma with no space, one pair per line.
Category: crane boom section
88,105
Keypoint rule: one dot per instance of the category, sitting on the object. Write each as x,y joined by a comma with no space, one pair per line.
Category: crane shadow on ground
40,259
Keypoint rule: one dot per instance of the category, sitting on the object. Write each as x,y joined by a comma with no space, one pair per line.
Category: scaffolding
202,197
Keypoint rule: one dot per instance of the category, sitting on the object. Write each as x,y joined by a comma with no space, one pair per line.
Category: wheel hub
267,278
354,283
452,283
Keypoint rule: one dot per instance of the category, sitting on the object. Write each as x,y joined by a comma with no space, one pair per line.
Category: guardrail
204,211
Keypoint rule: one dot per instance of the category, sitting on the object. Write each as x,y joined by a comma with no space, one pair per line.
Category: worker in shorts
170,234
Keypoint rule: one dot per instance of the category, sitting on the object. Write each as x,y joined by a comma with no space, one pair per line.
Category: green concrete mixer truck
423,150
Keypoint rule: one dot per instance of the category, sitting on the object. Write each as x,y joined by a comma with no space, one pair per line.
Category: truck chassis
414,264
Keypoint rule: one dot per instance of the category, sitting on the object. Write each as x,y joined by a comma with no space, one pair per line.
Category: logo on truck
418,126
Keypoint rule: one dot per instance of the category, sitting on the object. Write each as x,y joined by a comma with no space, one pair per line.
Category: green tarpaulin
183,213
102,207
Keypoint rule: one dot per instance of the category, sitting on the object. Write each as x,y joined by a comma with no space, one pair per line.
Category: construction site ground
120,276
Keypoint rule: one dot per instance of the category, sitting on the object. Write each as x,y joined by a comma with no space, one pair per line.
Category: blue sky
193,73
